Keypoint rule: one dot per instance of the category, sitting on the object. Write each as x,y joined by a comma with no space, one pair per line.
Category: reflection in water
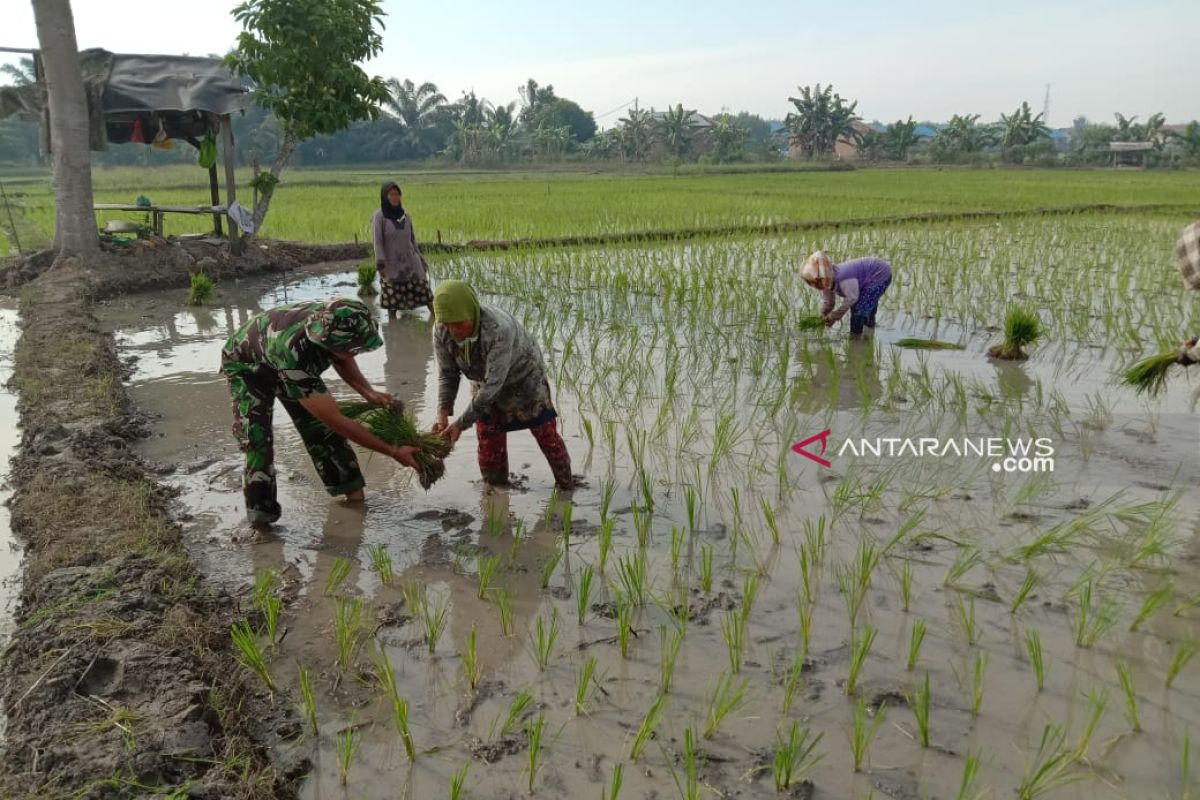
848,383
1012,380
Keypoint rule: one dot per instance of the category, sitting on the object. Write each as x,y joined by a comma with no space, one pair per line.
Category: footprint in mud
450,518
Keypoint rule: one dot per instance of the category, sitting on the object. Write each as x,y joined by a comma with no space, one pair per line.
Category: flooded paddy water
708,586
10,556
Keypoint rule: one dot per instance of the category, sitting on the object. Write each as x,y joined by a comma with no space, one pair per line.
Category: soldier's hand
404,455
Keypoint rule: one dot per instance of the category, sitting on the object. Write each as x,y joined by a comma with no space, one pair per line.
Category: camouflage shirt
279,344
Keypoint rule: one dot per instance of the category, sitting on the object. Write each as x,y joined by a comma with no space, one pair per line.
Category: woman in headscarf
509,390
860,283
403,273
281,353
1187,256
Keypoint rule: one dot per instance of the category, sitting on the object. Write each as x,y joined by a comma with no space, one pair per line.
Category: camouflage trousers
253,406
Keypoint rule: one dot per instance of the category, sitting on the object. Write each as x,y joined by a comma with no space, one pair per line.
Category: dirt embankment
120,679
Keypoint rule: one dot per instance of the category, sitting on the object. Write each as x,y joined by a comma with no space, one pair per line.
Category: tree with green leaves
1188,140
561,112
674,129
23,74
303,59
636,133
1128,130
533,99
419,112
964,134
899,137
1022,127
728,139
820,119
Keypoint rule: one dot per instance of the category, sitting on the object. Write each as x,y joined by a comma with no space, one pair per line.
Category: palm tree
502,128
899,138
417,109
963,134
24,74
1189,140
1022,127
635,132
820,119
675,129
728,138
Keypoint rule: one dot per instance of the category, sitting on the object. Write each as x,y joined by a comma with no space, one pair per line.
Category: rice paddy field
713,613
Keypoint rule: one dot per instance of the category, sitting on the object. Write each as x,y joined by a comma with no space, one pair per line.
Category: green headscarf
455,301
344,326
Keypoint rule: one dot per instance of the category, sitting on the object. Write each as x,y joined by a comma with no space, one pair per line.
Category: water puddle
10,553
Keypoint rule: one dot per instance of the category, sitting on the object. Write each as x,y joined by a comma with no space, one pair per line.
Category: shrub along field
712,613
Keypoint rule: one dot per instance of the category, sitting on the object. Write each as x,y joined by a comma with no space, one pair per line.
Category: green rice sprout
733,629
791,681
914,642
271,608
860,646
810,322
691,498
399,429
1097,703
642,520
1033,646
585,685
366,279
906,582
920,707
1149,376
625,611
648,726
386,675
458,781
806,577
769,518
966,788
266,581
534,731
544,637
1185,771
750,587
928,344
349,623
487,568
310,702
505,609
1049,768
251,653
348,744
472,669
689,789
965,613
1091,624
202,289
1022,328
1181,654
631,572
381,561
614,786
724,700
669,644
604,542
794,757
338,572
518,536
608,490
706,568
434,617
589,432
678,537
512,715
1031,579
815,539
552,562
865,728
568,511
583,595
978,671
1125,678
805,609
963,562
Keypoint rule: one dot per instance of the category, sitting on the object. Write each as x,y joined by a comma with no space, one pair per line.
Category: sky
929,59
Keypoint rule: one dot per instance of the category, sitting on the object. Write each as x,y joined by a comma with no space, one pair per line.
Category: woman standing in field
508,383
860,283
403,273
1187,255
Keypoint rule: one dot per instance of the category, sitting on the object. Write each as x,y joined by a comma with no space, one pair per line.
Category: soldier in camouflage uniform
281,354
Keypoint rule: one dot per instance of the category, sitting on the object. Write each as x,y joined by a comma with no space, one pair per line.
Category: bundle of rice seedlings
398,428
1022,327
811,322
202,289
366,279
1149,376
929,344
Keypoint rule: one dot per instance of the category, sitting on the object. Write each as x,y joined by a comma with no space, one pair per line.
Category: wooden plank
235,245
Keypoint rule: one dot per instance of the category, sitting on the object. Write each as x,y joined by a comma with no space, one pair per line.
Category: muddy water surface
10,554
1110,464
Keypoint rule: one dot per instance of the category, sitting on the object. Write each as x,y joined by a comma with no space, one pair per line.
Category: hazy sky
930,59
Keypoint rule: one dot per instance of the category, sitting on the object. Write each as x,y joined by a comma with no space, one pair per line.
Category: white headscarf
818,269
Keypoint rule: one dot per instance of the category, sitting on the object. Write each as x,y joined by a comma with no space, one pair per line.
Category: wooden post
235,243
215,191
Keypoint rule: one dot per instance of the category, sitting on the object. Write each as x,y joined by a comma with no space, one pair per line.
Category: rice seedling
544,637
1181,654
1125,678
914,643
919,703
366,279
1033,646
966,788
399,428
669,644
604,541
614,786
677,539
533,731
963,562
434,617
805,609
458,782
510,718
202,289
689,789
381,561
769,518
749,593
338,572
965,614
589,433
251,653
864,730
472,669
266,581
518,536
271,608
810,322
347,746
642,521
625,611
487,567
1022,328
551,564
806,577
1149,376
906,580
631,572
691,498
1185,772
585,685
505,609
648,726
1091,625
349,623
794,757
1027,586
568,511
977,674
1048,769
928,344
583,593
791,682
724,700
1097,703
608,490
1151,605
310,702
860,646
815,539
706,568
733,630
